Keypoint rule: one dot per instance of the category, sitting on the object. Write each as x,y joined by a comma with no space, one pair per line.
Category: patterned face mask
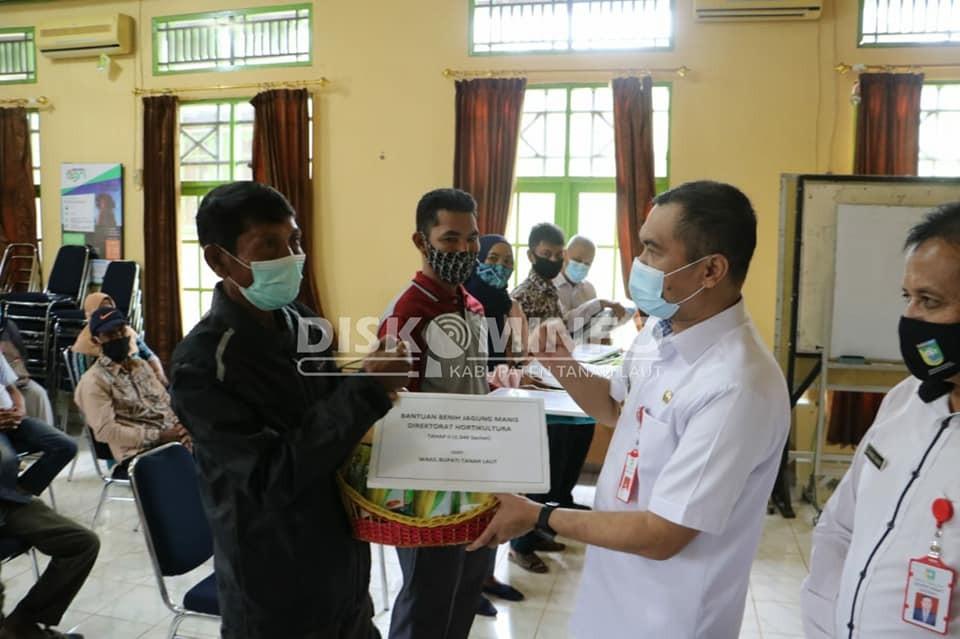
453,267
495,275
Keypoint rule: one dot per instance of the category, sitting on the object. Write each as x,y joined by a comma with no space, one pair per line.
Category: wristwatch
543,521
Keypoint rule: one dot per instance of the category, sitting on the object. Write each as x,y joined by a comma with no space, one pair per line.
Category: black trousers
72,550
569,445
360,626
357,624
440,594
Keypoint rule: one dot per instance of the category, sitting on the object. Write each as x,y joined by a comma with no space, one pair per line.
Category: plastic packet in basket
393,499
469,501
435,503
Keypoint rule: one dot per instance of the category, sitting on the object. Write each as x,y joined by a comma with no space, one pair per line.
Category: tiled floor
121,600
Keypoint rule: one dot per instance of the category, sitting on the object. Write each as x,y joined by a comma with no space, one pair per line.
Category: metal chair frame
105,475
33,556
10,264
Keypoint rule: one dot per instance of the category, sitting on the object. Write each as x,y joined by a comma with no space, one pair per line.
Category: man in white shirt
578,297
880,516
701,411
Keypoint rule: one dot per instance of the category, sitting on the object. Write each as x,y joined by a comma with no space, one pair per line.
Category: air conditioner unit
85,37
747,10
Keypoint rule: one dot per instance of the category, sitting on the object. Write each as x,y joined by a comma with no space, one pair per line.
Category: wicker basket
378,525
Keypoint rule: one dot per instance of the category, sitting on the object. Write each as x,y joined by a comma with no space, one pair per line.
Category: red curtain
888,132
888,124
281,158
633,140
18,212
488,131
161,283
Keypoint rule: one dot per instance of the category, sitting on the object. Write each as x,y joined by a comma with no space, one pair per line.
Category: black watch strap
543,520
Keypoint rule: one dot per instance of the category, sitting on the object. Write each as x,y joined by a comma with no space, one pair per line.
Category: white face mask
646,289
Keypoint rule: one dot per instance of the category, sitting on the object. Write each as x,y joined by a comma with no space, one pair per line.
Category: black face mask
118,349
547,268
931,353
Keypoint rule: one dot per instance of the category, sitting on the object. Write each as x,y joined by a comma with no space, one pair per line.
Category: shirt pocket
657,440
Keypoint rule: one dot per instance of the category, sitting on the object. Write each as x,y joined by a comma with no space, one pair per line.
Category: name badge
628,477
875,457
929,591
928,594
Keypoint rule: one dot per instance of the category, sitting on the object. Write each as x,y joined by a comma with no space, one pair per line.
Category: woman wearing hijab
506,343
86,346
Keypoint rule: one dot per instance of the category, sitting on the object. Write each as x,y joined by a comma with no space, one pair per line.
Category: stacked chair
121,281
36,312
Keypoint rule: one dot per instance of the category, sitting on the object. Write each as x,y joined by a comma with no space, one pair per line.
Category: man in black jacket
270,429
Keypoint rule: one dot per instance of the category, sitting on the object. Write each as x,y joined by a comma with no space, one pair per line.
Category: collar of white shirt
692,342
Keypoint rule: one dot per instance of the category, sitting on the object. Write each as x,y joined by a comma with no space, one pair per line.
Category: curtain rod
455,74
844,68
40,102
292,84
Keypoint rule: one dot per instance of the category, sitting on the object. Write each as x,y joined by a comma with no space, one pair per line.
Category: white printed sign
435,441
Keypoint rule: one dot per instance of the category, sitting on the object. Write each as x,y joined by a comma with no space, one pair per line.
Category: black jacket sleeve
274,464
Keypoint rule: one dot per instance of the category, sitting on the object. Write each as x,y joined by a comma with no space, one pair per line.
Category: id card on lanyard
930,582
628,476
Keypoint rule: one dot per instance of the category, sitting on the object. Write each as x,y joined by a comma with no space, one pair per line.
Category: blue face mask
276,283
576,271
495,275
646,289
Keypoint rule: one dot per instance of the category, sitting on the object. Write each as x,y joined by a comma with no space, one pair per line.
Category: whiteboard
867,299
816,211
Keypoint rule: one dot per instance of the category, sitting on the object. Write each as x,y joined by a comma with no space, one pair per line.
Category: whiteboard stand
853,224
838,462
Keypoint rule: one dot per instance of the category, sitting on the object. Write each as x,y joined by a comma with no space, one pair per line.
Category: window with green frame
566,172
33,121
236,39
939,130
887,23
526,26
216,147
18,56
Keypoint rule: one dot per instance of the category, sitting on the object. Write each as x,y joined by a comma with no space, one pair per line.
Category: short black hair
545,233
229,210
941,223
715,218
430,205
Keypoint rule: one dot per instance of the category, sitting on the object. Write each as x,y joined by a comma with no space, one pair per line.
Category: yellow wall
762,100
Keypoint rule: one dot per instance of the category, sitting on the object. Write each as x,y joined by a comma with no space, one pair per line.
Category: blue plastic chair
178,535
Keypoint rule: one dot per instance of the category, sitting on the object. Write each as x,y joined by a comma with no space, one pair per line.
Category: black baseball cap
106,319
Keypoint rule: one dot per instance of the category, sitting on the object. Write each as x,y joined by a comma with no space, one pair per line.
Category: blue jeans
32,436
